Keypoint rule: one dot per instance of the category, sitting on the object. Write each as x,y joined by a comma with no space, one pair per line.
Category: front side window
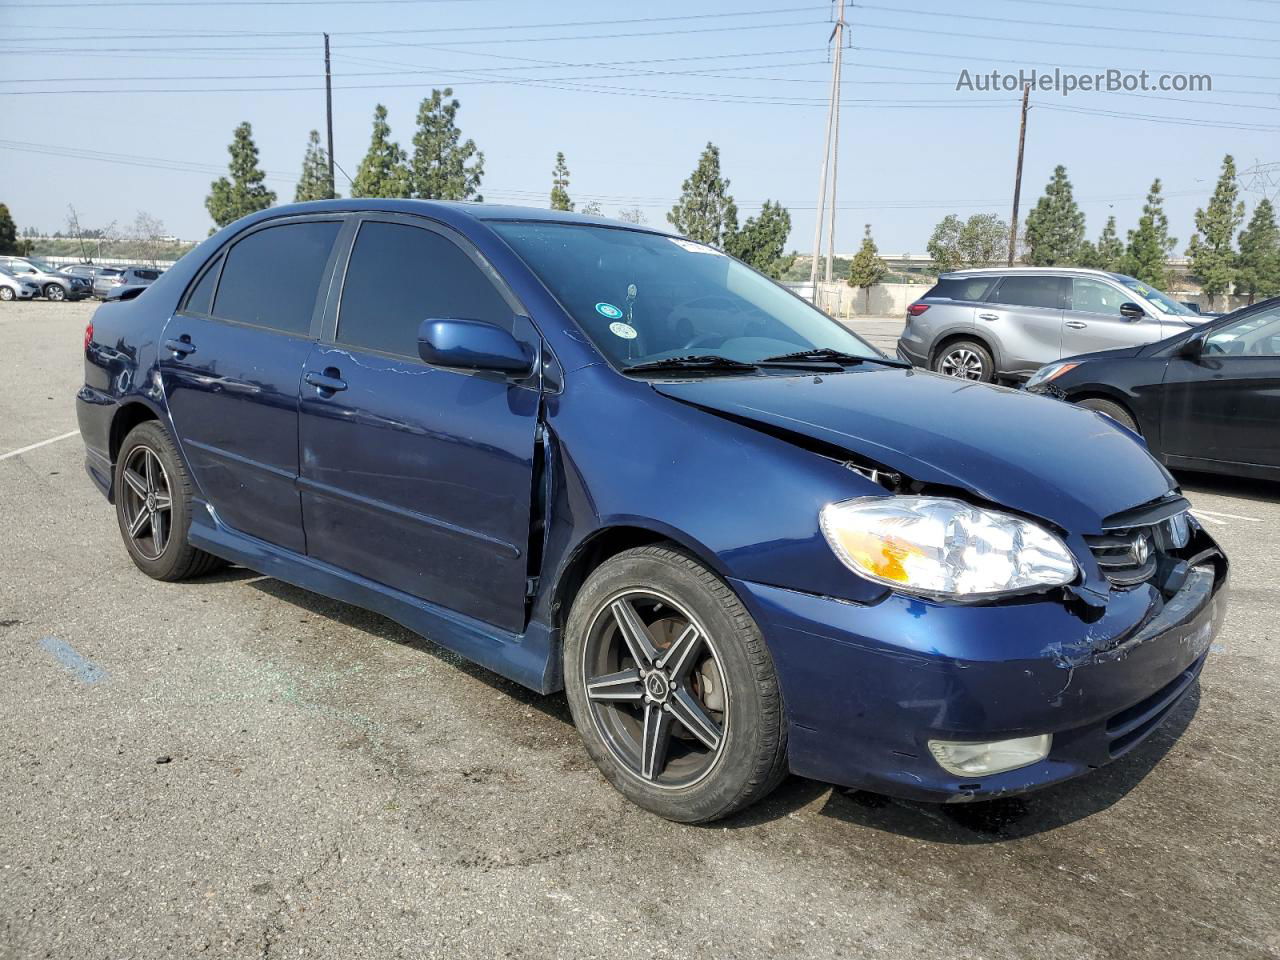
1044,292
1094,296
272,277
400,275
1254,336
642,297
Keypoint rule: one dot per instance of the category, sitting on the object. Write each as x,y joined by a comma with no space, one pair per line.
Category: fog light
994,756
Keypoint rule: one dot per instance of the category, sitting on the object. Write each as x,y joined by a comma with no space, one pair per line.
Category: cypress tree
1258,266
1055,226
445,167
244,193
382,172
1213,259
314,184
1149,243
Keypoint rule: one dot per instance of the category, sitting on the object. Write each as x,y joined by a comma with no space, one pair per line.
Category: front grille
1129,555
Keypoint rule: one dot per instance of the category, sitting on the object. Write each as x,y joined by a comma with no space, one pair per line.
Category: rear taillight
916,309
88,335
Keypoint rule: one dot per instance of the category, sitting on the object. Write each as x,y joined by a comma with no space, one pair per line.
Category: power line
1147,12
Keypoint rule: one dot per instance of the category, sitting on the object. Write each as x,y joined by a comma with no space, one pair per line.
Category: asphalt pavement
233,767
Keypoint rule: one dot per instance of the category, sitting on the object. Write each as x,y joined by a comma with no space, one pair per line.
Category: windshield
642,297
1162,301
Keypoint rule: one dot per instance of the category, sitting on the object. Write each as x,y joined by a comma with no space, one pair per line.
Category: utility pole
1017,177
838,36
328,110
832,133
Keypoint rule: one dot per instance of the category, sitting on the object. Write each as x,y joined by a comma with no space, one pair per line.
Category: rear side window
400,275
272,277
201,299
147,274
1031,292
961,288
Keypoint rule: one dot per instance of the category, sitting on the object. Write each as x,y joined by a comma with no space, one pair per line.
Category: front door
415,477
1225,406
1093,320
230,362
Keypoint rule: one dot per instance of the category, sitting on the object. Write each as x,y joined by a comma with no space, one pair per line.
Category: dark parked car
1208,399
593,456
53,284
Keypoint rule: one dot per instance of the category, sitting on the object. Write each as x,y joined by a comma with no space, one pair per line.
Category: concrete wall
843,301
109,262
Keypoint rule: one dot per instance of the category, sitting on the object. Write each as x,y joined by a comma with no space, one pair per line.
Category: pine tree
1055,226
314,184
444,167
705,212
1110,249
1149,244
1258,266
9,242
560,185
1213,260
866,269
763,238
382,172
244,193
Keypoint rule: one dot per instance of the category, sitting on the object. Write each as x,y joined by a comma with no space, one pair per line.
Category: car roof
455,208
1000,271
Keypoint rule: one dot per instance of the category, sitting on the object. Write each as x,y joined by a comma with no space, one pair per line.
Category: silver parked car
1004,323
14,288
53,284
112,280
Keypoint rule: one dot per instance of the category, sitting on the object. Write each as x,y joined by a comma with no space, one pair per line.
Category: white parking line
1199,511
35,446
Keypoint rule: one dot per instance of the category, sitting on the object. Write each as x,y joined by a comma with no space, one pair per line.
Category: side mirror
1192,348
1131,310
473,345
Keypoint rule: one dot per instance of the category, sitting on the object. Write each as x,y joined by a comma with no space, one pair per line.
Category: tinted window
1031,292
272,277
146,274
201,299
399,276
1094,296
961,288
1257,335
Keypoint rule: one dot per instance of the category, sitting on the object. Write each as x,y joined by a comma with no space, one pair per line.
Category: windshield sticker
694,247
609,311
623,330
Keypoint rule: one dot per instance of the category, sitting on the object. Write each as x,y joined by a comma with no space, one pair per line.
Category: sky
120,107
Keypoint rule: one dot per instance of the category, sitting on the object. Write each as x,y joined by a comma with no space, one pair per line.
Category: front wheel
6,293
1113,410
967,360
672,687
54,292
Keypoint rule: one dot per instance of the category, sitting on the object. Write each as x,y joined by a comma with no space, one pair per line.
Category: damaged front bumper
867,687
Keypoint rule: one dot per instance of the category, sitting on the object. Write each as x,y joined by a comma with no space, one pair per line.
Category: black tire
1113,410
158,545
966,360
55,292
6,293
727,663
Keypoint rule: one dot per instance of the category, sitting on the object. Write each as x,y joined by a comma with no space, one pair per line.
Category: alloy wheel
148,502
656,690
54,292
963,363
6,293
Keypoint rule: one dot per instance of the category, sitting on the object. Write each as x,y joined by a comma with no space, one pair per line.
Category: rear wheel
153,506
967,360
1113,410
672,687
54,292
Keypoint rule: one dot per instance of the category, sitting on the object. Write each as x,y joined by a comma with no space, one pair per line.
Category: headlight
1050,371
937,547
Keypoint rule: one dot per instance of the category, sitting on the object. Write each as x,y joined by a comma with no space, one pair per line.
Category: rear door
1024,321
415,477
231,361
1093,320
1225,406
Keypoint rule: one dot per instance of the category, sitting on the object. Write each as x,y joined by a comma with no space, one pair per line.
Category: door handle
327,383
1076,324
181,346
988,316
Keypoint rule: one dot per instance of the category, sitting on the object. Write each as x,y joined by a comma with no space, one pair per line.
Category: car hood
1032,454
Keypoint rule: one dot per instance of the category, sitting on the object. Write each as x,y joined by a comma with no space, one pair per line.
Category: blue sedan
595,457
